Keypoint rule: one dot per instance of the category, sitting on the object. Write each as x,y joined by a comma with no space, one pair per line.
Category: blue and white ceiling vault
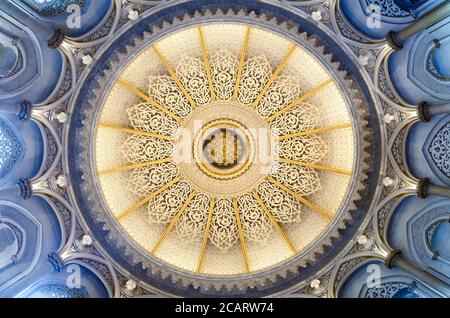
110,187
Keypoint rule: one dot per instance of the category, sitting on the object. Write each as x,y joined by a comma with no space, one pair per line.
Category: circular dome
231,143
226,151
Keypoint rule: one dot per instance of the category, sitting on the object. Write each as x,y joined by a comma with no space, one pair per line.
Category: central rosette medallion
224,148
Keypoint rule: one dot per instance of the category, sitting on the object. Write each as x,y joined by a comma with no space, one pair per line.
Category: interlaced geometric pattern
138,149
165,206
144,117
256,74
304,117
276,200
164,90
440,150
282,92
310,149
192,74
224,70
255,223
192,223
146,180
303,180
284,207
223,231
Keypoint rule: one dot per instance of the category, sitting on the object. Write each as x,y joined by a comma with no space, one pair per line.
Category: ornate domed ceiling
234,140
224,148
217,142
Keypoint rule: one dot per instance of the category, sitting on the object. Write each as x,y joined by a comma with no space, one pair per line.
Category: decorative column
54,37
396,39
426,111
395,259
424,188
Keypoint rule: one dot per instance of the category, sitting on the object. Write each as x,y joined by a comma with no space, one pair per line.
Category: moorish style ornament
216,157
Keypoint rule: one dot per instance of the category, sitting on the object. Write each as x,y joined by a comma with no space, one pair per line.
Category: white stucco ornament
61,181
86,240
387,181
317,15
62,117
86,59
133,14
388,118
315,284
363,59
131,285
362,240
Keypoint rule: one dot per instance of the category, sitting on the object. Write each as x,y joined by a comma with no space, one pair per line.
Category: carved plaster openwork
191,115
185,91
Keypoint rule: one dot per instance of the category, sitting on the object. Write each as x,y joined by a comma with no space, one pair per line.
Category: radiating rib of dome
192,73
255,223
283,91
164,90
302,180
224,70
257,72
284,207
138,149
146,180
224,232
191,225
309,149
164,207
144,117
304,117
